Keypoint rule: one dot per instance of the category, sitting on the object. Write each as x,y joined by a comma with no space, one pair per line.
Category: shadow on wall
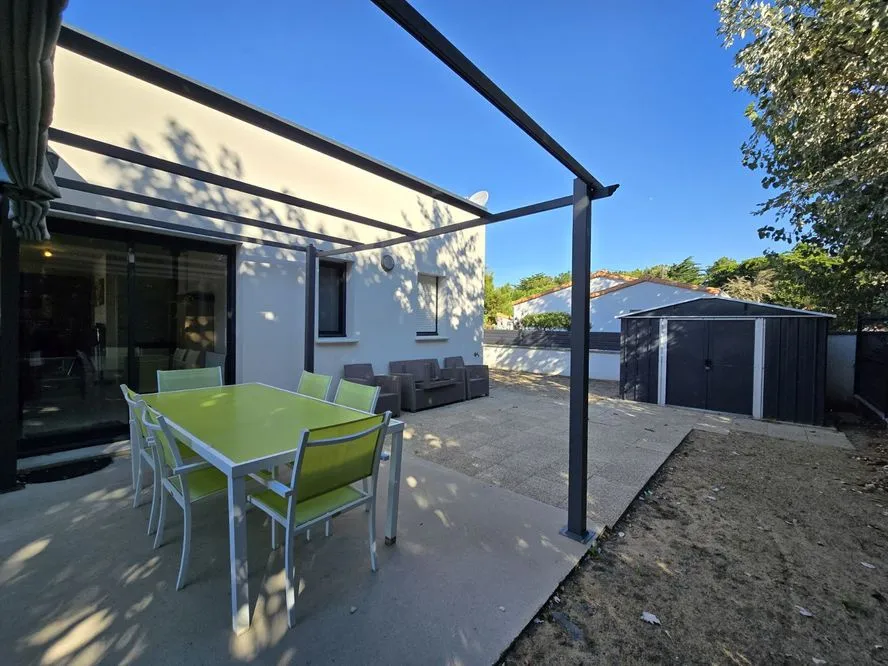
528,359
445,256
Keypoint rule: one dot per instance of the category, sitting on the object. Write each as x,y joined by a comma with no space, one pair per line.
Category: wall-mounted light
388,262
47,254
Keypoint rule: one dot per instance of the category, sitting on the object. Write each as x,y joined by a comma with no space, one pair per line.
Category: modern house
127,287
611,296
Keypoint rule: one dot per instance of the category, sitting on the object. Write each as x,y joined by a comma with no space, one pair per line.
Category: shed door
709,364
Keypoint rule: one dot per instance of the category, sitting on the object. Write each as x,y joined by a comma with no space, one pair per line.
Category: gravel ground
748,549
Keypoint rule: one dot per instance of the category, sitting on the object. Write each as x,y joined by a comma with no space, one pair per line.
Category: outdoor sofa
425,384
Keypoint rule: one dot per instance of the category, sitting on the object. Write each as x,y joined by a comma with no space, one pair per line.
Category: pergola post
9,349
311,292
581,264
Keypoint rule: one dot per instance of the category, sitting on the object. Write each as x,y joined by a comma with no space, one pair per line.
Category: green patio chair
191,378
356,396
328,461
314,385
186,481
140,451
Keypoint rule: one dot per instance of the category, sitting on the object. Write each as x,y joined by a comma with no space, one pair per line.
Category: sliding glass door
103,307
73,323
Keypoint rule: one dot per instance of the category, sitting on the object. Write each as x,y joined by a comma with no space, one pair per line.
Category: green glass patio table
243,428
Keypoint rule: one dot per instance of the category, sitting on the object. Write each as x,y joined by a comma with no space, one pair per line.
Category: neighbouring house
127,287
612,295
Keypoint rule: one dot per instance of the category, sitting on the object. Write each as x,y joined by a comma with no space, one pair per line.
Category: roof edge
810,313
108,54
628,281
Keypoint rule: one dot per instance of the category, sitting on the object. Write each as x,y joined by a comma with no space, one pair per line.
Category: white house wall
105,104
604,310
559,301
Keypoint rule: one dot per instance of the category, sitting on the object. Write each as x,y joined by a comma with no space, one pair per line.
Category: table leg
394,489
237,548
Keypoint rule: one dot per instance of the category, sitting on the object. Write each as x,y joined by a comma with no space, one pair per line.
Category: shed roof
709,306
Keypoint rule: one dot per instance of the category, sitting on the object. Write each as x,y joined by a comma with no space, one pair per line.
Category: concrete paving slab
96,592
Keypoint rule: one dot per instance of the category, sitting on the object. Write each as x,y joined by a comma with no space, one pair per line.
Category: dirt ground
731,545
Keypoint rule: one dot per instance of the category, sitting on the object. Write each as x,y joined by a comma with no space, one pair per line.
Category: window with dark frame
331,299
428,304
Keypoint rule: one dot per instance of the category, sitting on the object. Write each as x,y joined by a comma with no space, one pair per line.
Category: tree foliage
497,300
818,73
547,321
807,277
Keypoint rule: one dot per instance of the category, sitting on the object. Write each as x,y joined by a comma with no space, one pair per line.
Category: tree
534,284
721,270
759,288
497,300
818,73
687,270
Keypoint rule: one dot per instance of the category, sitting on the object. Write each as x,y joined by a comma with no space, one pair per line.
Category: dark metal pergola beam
81,186
95,49
511,214
160,164
86,213
426,34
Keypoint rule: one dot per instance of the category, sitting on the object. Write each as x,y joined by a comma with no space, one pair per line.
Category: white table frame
237,502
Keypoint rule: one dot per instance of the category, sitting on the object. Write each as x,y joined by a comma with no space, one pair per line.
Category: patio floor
517,439
80,583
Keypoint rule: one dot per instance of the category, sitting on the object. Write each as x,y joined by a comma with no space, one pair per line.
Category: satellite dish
480,198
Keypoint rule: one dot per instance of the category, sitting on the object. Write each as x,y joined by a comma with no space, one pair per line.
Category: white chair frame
141,453
291,530
181,469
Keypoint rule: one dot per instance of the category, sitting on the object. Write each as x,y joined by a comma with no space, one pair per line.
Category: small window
428,305
331,299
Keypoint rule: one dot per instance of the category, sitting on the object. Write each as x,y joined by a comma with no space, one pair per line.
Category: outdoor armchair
477,376
328,462
424,384
389,386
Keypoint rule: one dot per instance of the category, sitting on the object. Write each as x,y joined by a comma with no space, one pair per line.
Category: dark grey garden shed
727,355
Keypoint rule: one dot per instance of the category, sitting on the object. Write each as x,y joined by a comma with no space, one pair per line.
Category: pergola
586,188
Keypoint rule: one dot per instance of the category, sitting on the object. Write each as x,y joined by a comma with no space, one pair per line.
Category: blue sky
639,91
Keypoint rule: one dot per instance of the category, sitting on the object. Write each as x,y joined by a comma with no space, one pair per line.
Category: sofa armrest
453,373
477,371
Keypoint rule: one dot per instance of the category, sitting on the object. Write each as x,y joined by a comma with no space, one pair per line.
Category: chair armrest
477,371
273,485
189,467
389,383
407,381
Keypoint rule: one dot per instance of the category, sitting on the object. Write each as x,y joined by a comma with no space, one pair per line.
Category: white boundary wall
549,361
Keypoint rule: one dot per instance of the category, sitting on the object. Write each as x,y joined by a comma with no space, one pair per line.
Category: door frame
758,359
131,236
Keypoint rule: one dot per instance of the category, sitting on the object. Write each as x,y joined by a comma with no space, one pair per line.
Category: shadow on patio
80,584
